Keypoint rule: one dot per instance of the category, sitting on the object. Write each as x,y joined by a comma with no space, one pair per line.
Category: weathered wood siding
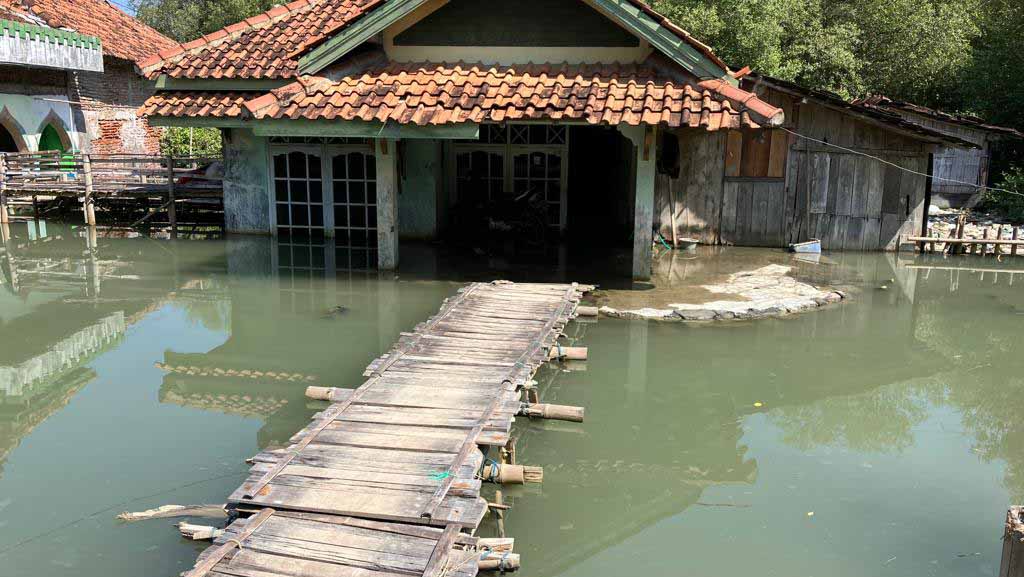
698,190
956,164
849,201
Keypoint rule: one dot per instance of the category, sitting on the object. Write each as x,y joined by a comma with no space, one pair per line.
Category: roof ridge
230,32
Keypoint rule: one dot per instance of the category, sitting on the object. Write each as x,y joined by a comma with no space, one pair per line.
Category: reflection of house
969,166
68,77
68,301
19,415
18,380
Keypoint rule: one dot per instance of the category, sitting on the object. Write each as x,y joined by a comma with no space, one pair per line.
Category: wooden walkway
386,480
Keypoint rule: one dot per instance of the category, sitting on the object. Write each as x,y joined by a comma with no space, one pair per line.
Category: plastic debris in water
758,404
810,513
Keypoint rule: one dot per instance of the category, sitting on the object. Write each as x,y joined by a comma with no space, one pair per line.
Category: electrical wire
894,165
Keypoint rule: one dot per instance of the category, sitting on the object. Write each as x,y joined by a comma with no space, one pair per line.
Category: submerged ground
879,436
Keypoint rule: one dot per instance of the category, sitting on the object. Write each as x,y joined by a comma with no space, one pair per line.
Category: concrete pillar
247,186
645,143
387,203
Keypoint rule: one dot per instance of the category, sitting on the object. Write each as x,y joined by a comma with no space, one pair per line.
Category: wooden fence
89,178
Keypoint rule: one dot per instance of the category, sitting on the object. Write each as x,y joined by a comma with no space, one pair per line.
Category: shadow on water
146,366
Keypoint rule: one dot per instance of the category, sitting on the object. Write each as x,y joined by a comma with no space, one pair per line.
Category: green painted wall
421,178
521,23
246,200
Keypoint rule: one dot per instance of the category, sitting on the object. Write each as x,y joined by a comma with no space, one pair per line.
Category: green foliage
204,142
903,48
185,20
1009,204
991,80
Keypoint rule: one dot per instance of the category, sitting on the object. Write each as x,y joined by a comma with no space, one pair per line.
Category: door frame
324,149
509,150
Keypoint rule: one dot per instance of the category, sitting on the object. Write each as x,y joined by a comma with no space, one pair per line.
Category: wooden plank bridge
386,481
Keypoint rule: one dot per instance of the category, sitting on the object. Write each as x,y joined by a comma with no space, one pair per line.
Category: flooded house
69,79
562,120
959,172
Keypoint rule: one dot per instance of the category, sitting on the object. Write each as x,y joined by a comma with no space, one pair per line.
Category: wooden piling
172,210
4,215
1013,248
1012,563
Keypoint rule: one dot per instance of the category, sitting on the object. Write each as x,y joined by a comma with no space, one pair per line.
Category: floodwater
882,436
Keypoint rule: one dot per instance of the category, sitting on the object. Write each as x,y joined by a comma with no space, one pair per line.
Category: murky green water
887,439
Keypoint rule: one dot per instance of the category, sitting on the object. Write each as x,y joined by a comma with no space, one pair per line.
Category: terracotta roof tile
445,94
269,45
195,104
263,46
122,36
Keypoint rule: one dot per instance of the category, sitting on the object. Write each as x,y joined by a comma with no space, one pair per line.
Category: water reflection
695,434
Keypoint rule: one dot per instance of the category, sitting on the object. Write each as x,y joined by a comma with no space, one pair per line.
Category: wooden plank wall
849,201
965,165
698,190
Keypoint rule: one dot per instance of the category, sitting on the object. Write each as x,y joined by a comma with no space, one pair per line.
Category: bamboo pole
87,200
172,211
4,216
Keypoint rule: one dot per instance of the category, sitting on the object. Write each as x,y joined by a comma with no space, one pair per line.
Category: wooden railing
92,177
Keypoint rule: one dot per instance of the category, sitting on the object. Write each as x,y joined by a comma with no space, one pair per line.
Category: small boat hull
812,246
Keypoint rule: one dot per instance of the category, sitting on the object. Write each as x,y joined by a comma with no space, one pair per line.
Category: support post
386,151
172,210
4,215
645,142
1013,248
1012,563
87,203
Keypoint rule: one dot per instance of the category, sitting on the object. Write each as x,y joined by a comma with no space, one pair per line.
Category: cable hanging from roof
894,165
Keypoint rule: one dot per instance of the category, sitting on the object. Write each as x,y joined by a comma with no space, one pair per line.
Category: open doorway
600,200
7,142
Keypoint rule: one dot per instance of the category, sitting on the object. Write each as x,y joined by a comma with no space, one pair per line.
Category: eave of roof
886,103
884,119
445,94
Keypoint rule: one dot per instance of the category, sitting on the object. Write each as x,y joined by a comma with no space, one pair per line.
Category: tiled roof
890,105
264,46
269,45
122,36
196,104
448,94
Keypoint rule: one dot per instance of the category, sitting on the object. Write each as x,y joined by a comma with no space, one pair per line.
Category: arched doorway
53,134
7,141
50,139
11,133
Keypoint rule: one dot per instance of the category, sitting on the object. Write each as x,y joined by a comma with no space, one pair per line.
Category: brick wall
109,109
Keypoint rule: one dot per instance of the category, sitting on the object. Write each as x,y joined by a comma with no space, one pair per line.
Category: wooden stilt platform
386,480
